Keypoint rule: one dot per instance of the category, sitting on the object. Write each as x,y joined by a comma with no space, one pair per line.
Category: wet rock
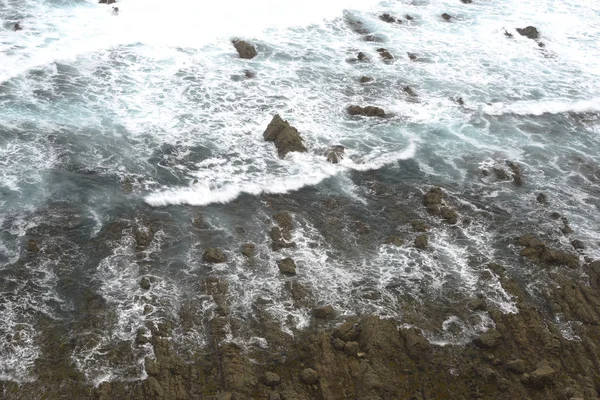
347,331
412,56
368,111
466,1
271,379
394,240
449,215
578,244
373,38
106,1
516,172
278,240
542,199
213,255
541,44
408,17
287,266
446,16
366,79
531,32
141,337
419,226
32,246
566,228
408,90
145,283
416,343
542,376
284,220
285,137
309,376
17,27
324,312
488,340
388,18
361,56
517,366
361,228
335,154
351,348
507,34
421,242
249,74
477,305
245,50
249,250
148,309
338,344
433,199
501,174
460,101
538,252
385,54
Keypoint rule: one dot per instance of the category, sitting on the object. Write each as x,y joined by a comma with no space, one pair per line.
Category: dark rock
516,171
419,226
213,255
361,228
408,90
338,344
531,32
351,348
449,215
373,38
361,56
278,240
17,27
460,101
145,283
517,366
274,396
386,55
365,79
32,246
477,305
486,373
245,50
488,340
408,17
141,337
538,252
249,250
412,56
541,44
368,111
249,74
324,312
335,154
388,18
148,309
106,1
309,376
542,199
287,266
433,199
501,174
466,1
347,331
284,220
416,343
578,244
395,240
271,379
446,16
285,136
421,242
555,215
566,228
508,34
542,376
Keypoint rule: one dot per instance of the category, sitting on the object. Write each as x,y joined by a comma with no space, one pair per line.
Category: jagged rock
338,344
351,348
531,32
507,34
477,305
366,79
578,244
538,252
249,250
324,312
285,137
542,199
213,255
386,55
446,16
421,242
309,376
287,266
335,154
542,376
408,90
245,50
517,366
361,56
145,283
488,340
368,111
388,18
395,240
32,246
271,379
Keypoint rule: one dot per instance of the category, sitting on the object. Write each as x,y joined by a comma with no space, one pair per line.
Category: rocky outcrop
286,137
249,250
287,266
531,32
409,91
538,252
245,49
213,255
434,201
446,16
309,376
281,236
421,242
324,312
362,56
389,19
335,154
368,111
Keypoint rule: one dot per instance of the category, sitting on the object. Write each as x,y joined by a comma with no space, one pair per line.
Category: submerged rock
412,56
395,240
145,283
287,266
286,137
538,252
446,16
32,246
531,32
106,1
542,198
385,54
368,111
213,255
389,19
433,200
408,17
366,79
421,242
245,50
408,90
324,312
335,154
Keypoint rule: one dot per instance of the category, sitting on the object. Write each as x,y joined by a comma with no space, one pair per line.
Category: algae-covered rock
286,137
368,111
542,376
287,266
538,252
421,242
213,255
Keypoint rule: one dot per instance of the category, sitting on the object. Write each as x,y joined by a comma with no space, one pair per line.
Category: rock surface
286,137
287,266
368,111
531,32
213,255
245,49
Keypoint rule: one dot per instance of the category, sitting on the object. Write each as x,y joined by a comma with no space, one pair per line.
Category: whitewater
130,142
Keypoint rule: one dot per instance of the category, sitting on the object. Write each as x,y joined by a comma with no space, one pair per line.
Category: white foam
545,107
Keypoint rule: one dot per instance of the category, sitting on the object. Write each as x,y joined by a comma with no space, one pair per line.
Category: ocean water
131,142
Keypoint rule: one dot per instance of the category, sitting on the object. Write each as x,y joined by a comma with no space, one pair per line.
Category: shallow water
130,143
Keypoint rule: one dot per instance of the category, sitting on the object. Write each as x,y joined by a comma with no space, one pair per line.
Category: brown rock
324,312
368,111
285,137
394,240
287,266
245,50
517,366
542,376
338,344
213,255
271,379
32,246
309,376
488,340
351,348
446,16
366,79
249,250
335,154
385,54
421,242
